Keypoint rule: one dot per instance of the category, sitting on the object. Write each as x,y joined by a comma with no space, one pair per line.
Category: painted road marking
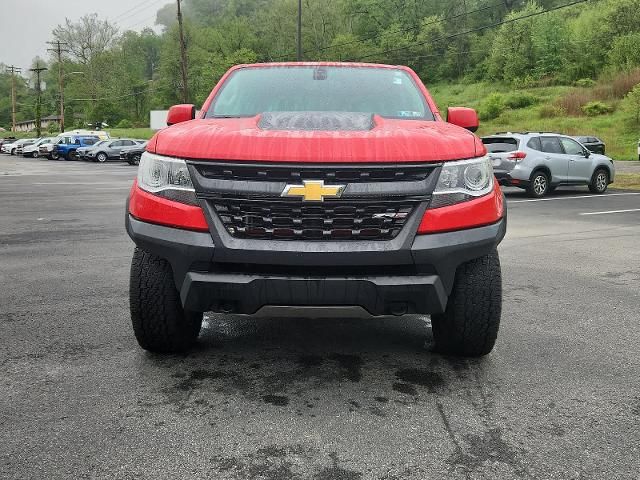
571,198
612,211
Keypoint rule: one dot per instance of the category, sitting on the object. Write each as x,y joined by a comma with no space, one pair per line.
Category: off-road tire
160,324
599,181
539,184
469,326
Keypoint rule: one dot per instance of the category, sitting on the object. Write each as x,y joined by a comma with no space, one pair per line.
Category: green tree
625,52
512,56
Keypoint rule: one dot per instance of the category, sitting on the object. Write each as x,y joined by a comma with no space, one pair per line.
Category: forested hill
121,74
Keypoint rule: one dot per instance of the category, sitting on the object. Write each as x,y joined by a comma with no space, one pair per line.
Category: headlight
166,177
463,180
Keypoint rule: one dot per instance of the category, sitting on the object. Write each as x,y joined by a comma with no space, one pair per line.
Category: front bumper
407,275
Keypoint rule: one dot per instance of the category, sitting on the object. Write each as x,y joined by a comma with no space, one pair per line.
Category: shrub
53,127
551,111
520,100
593,109
585,83
573,102
624,82
632,104
492,107
124,123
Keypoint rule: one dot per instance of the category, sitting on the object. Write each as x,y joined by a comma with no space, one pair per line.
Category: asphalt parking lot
313,399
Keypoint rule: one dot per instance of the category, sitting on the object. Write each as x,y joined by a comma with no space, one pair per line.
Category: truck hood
249,139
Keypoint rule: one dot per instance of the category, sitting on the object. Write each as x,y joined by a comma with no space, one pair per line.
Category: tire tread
469,326
159,322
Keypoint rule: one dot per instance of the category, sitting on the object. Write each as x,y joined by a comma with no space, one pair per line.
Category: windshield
391,93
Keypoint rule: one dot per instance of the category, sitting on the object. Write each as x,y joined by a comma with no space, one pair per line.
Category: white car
11,148
33,150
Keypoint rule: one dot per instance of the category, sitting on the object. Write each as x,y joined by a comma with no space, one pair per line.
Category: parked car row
539,162
77,145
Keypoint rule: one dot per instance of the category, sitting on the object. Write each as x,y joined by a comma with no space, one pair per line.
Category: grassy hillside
546,113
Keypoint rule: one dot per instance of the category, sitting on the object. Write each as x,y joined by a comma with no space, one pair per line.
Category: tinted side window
571,147
551,145
116,144
534,144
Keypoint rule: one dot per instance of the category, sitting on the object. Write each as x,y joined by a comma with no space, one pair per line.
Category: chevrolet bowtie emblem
313,191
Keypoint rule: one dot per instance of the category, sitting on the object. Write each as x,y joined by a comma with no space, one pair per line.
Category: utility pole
58,49
37,70
13,69
299,30
183,58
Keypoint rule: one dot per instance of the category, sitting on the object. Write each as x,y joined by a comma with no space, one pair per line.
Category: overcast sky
27,24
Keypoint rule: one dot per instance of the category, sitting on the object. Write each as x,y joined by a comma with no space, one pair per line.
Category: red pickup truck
317,185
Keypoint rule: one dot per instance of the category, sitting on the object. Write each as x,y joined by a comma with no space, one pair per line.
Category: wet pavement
294,398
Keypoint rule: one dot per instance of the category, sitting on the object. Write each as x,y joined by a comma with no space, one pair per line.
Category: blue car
68,145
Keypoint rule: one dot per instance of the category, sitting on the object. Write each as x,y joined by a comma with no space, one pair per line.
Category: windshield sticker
405,113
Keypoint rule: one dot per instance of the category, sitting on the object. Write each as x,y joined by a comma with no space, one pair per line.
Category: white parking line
571,198
612,211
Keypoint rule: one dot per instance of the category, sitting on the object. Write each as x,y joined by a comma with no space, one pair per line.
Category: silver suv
540,162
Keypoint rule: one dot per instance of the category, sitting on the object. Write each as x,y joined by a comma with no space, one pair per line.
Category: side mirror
463,117
587,153
181,113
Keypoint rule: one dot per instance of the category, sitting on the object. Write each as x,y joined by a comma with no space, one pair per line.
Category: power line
400,30
128,25
128,95
144,3
133,25
473,30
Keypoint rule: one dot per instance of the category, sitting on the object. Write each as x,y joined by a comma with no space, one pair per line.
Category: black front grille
330,220
328,173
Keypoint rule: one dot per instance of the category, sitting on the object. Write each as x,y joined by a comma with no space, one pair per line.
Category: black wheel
136,159
539,185
101,157
13,151
34,154
599,181
469,325
72,155
54,156
159,322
